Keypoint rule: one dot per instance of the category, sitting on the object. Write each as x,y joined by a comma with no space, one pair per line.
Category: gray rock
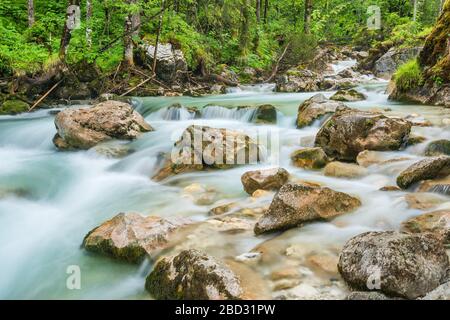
438,147
268,179
193,275
315,108
397,264
386,66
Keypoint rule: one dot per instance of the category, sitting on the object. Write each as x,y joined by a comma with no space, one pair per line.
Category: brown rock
344,170
429,168
314,109
436,222
309,158
268,179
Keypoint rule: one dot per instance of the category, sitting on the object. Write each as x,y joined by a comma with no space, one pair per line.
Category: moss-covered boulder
438,147
265,113
350,95
13,106
310,158
193,275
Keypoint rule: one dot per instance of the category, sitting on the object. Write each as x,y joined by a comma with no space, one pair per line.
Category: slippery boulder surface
436,222
397,264
438,147
268,179
132,237
265,113
202,147
315,108
429,168
350,95
85,128
310,158
350,131
170,61
193,275
295,204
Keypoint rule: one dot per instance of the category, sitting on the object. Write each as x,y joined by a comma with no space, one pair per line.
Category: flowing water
49,200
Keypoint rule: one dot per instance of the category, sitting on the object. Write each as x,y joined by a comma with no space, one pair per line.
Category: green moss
409,76
13,107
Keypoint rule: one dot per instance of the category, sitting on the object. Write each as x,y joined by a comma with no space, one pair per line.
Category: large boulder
132,237
397,264
310,158
350,95
429,168
264,114
201,148
193,275
295,204
391,60
268,179
170,62
436,222
85,128
314,109
349,131
298,80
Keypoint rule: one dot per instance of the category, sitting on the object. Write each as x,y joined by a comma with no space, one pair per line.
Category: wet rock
326,263
436,222
423,201
199,194
132,237
390,188
397,264
429,168
415,139
13,106
391,60
85,128
193,275
171,62
314,109
222,209
310,158
350,95
113,150
441,186
437,148
201,148
298,80
367,158
368,295
344,170
349,131
264,114
295,204
268,179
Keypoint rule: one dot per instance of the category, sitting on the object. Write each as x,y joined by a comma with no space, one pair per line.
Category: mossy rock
438,147
14,106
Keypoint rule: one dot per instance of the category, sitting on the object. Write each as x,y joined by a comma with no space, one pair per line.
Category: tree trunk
244,36
132,23
307,20
155,53
258,11
415,11
266,8
69,25
30,13
88,23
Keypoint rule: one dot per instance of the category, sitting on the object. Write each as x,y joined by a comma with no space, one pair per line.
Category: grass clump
409,76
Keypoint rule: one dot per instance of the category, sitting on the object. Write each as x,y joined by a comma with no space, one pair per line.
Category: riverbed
50,199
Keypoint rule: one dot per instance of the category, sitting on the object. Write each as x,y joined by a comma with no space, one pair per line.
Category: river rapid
49,199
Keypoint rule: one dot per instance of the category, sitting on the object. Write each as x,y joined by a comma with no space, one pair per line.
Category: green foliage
408,76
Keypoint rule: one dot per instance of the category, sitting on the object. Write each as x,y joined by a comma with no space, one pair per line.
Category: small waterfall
342,65
245,114
174,113
254,88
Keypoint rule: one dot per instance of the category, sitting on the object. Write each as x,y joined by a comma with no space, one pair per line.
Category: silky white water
50,199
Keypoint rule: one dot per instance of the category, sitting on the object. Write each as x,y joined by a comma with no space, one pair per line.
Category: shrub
409,76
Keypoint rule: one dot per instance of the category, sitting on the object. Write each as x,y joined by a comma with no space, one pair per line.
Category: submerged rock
423,200
436,222
397,264
350,95
310,158
268,179
201,148
295,204
193,275
85,128
344,170
266,113
437,148
132,237
349,131
429,168
315,108
441,186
